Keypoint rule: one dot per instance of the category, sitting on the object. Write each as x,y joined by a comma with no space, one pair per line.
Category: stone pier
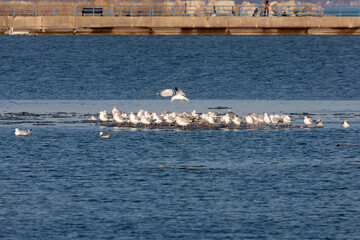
180,25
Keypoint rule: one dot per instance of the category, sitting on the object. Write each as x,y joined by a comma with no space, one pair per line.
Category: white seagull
319,123
180,97
345,124
103,116
183,121
308,121
134,119
178,94
285,119
267,119
104,135
166,93
18,132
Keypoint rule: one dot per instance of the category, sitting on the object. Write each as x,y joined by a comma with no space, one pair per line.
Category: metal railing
305,10
178,10
54,10
342,11
175,10
131,10
218,10
258,11
93,10
17,10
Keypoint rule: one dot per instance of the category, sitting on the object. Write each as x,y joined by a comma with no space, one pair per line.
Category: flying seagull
178,94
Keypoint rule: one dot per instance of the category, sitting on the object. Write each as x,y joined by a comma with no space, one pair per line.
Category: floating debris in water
219,107
83,152
346,145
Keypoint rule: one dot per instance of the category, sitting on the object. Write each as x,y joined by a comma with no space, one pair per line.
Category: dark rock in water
21,114
219,107
304,113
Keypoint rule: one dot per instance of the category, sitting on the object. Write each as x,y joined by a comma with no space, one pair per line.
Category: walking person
266,7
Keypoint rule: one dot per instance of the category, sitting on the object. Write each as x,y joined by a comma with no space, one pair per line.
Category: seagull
225,119
166,93
92,118
249,120
134,119
118,118
345,124
267,119
308,121
169,119
183,121
180,97
18,132
178,94
103,116
236,120
286,119
275,119
105,135
156,119
146,121
179,91
319,123
115,111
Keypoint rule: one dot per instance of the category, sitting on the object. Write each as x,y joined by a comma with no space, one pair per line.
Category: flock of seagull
144,118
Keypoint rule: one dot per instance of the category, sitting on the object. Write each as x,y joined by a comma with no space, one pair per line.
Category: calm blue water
208,67
64,182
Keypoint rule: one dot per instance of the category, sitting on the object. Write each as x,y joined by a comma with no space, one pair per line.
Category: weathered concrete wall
225,25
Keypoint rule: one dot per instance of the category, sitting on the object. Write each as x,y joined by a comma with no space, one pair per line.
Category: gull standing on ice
134,119
285,119
308,121
267,119
24,133
115,111
103,116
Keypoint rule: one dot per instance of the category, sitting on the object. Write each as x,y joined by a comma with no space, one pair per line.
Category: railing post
14,10
131,10
174,10
54,10
340,12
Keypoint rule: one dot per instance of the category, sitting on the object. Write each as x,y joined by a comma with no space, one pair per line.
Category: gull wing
179,91
166,93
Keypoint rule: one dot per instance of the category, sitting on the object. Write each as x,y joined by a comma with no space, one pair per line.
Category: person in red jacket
266,7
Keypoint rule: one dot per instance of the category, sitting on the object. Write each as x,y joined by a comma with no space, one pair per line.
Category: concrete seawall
225,25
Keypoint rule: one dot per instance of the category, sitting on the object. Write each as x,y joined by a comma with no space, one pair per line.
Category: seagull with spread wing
178,94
